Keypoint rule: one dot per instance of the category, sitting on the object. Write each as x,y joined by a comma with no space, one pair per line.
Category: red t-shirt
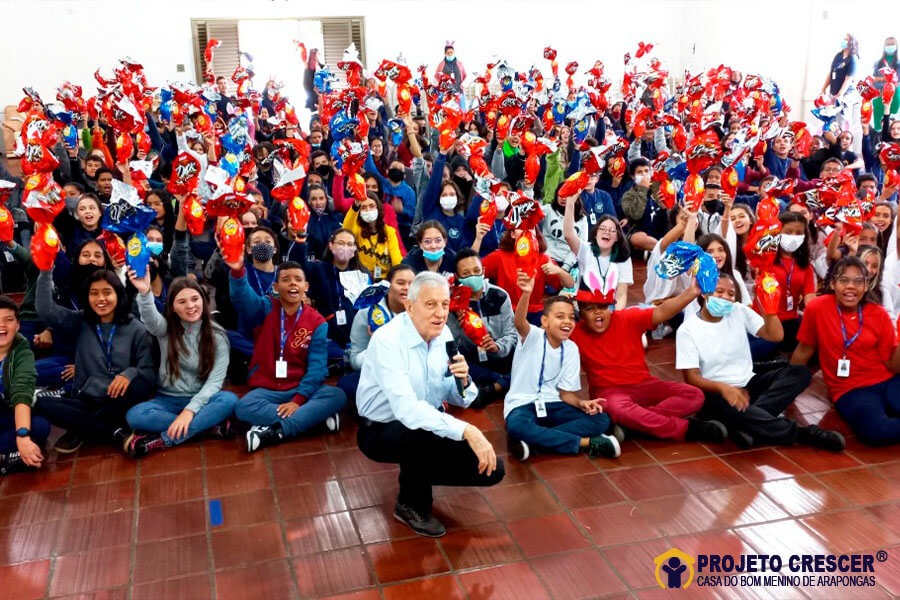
500,267
803,282
821,329
615,358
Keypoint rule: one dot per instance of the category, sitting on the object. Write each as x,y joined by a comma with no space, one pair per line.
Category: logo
674,569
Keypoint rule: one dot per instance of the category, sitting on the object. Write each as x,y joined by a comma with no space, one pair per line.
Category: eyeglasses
857,281
344,244
609,231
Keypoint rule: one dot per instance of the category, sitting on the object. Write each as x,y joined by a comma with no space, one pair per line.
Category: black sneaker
617,432
120,435
517,449
333,423
260,436
741,439
69,442
605,446
49,394
425,525
138,445
12,463
225,430
825,439
486,395
705,431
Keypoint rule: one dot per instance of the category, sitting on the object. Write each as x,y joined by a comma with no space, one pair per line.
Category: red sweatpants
655,406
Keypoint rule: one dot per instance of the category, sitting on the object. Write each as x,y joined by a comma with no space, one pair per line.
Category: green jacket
19,375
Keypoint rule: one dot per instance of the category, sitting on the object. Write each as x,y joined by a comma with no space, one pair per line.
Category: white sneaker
333,423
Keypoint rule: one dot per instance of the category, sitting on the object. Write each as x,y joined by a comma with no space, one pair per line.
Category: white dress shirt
406,379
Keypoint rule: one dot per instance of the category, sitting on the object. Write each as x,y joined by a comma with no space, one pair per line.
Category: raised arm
526,284
569,232
671,307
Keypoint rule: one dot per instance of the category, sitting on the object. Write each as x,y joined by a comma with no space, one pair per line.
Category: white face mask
369,216
790,243
448,202
502,203
641,180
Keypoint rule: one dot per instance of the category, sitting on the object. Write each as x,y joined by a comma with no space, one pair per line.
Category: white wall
790,40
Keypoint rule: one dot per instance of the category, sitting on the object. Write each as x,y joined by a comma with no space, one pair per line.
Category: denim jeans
873,412
260,407
560,431
156,415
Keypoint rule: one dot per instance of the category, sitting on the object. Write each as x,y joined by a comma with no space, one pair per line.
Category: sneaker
662,330
121,435
260,436
617,432
825,439
49,394
705,431
605,446
138,445
518,449
12,463
741,439
333,423
225,430
69,442
486,395
425,525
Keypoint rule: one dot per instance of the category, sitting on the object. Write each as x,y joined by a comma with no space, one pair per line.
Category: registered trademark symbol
881,555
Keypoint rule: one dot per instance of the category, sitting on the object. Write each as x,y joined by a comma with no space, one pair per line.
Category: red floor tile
222,453
100,469
49,478
763,464
616,524
634,562
547,535
96,531
297,446
28,543
302,469
377,524
481,546
554,467
522,500
442,587
803,495
88,571
887,515
101,498
310,499
364,594
577,575
851,531
265,580
782,537
643,483
237,479
353,463
870,455
238,547
26,581
818,461
705,474
516,581
179,458
633,455
584,491
712,542
516,472
887,573
168,559
171,488
668,451
321,533
863,486
33,507
463,510
741,505
370,490
333,572
407,559
193,587
678,515
172,520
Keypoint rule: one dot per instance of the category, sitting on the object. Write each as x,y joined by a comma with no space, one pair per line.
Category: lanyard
600,268
338,289
285,334
790,276
262,292
849,342
562,356
106,345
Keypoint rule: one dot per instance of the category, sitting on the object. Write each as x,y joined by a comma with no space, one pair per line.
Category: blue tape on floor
215,512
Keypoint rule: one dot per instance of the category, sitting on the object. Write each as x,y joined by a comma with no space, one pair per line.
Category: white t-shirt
557,247
720,350
657,288
600,265
562,371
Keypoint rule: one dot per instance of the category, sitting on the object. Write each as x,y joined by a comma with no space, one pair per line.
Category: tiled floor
312,519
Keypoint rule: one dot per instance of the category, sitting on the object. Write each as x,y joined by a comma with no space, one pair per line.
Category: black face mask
714,206
396,175
323,170
464,185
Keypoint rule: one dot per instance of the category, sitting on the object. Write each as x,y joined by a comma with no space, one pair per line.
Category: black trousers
93,418
425,460
770,394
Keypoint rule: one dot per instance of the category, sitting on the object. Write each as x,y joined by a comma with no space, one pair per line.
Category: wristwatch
23,432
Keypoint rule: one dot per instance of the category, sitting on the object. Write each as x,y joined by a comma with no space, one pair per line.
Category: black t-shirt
841,68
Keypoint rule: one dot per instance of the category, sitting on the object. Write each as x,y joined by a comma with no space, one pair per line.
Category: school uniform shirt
615,358
600,266
657,288
720,350
821,329
500,266
561,368
802,282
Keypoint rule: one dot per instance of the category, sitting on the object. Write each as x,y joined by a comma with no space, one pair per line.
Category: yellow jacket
377,257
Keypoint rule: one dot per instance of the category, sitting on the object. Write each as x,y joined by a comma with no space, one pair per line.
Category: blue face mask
843,44
433,255
155,248
473,282
719,307
450,58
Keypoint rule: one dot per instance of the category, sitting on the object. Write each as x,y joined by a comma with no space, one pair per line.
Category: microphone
453,350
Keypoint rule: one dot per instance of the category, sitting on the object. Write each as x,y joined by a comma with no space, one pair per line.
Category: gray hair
426,279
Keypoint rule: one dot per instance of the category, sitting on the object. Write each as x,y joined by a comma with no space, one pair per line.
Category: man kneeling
404,383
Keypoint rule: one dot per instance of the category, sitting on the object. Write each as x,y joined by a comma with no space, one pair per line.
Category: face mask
719,307
450,58
319,211
433,255
790,243
262,252
369,216
155,248
396,175
448,202
890,50
473,282
843,44
343,254
316,146
323,170
712,206
502,204
640,180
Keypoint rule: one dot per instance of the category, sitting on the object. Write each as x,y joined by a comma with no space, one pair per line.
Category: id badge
843,367
482,355
540,408
340,317
280,369
789,302
592,218
377,271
